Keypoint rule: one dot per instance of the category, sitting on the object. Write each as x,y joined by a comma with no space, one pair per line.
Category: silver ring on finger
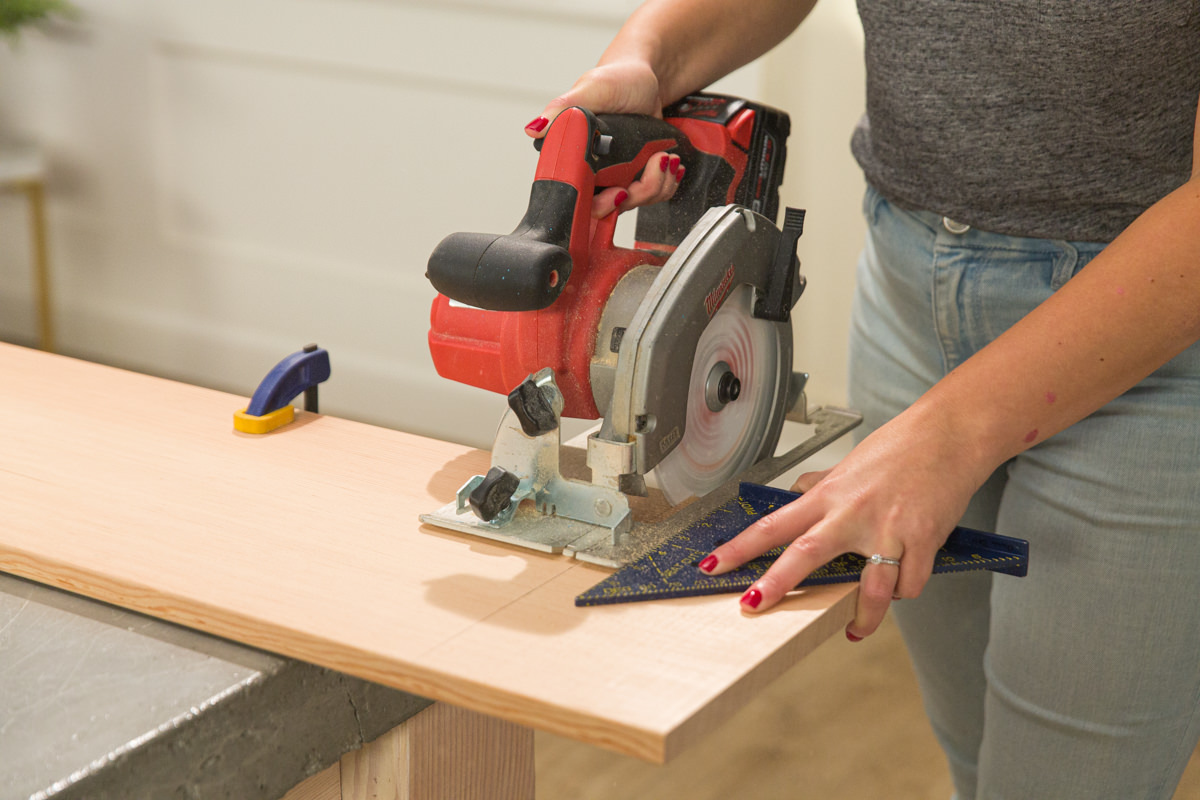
879,559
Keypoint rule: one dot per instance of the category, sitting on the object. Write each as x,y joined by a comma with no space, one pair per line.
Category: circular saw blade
720,444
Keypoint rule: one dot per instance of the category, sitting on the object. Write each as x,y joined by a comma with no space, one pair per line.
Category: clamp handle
270,407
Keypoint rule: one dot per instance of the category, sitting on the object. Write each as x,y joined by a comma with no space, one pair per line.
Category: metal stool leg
41,263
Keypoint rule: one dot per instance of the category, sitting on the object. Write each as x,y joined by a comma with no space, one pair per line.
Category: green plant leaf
16,13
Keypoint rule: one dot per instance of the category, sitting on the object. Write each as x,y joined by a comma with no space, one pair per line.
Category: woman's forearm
691,43
1130,310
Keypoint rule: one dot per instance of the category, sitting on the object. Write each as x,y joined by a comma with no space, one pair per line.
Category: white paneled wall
230,180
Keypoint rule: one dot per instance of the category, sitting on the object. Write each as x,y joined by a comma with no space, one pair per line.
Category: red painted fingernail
674,163
679,175
664,162
538,125
852,637
752,598
620,198
708,564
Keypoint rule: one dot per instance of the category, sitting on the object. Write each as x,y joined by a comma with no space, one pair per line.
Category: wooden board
137,491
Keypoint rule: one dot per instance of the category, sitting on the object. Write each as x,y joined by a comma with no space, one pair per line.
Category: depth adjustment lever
533,408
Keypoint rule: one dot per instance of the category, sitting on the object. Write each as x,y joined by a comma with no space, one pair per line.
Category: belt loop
1065,263
956,228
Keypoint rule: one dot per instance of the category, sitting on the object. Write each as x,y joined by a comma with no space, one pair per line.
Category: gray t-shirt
1060,119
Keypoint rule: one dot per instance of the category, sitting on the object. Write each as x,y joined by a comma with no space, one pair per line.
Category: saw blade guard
729,254
734,402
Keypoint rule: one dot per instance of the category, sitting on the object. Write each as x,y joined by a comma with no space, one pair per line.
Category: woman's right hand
622,87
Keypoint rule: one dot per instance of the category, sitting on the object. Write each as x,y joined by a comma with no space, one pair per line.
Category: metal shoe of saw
682,345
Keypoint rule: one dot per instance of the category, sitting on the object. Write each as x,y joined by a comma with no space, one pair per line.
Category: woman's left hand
898,494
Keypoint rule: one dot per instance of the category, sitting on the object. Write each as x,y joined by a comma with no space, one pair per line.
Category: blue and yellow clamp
271,405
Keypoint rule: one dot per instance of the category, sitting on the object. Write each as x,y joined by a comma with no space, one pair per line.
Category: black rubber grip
525,270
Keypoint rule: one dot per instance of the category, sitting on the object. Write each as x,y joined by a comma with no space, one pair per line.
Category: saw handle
735,153
527,269
625,142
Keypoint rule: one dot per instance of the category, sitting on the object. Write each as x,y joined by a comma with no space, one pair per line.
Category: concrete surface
97,702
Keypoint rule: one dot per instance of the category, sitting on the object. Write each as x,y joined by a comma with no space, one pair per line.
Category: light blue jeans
1081,680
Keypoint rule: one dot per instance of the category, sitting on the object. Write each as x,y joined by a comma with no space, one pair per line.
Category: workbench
304,544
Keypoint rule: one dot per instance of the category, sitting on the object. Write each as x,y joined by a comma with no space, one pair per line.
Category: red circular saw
681,344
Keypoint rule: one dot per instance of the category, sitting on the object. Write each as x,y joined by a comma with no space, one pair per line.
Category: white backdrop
232,179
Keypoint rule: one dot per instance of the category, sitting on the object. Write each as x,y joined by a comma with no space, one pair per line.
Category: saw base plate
652,525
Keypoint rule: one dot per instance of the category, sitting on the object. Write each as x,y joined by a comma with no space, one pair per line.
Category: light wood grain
458,753
305,542
439,753
325,785
378,770
443,752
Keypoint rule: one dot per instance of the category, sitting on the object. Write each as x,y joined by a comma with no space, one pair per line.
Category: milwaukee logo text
714,299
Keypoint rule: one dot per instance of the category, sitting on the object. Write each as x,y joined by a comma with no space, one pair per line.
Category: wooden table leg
441,752
325,785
